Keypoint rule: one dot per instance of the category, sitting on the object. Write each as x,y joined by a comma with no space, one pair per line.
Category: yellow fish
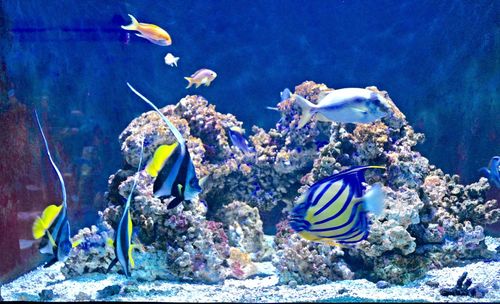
334,210
151,32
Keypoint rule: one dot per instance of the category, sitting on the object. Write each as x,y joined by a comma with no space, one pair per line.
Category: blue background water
439,60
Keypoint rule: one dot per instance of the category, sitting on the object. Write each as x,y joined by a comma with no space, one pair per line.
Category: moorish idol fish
53,223
172,166
334,211
123,236
493,171
238,140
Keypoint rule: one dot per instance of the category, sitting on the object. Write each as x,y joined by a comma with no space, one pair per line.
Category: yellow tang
334,210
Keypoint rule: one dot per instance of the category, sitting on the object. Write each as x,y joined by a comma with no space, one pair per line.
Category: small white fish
171,60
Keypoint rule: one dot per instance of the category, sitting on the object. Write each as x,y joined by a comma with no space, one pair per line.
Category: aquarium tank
250,151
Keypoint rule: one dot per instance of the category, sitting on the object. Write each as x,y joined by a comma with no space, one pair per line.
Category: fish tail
306,107
132,26
374,200
190,82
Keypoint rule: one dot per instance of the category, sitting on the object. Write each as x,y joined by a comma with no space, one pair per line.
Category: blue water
437,59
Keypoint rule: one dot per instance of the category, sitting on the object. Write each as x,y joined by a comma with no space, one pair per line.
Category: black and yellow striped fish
334,210
52,226
123,234
172,166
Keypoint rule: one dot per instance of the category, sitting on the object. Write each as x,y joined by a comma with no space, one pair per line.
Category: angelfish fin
374,200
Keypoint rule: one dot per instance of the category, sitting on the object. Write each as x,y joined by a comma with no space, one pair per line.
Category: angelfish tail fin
307,110
132,26
190,82
374,200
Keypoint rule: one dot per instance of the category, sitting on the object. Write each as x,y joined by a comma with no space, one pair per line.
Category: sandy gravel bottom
259,289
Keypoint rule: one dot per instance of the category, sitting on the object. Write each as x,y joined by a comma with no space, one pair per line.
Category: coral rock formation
430,219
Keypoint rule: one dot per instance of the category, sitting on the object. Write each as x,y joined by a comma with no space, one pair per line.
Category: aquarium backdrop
439,60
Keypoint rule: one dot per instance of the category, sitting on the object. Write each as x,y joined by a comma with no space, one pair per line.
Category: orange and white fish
151,32
202,76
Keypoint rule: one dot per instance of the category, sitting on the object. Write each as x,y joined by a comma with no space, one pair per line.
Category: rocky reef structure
430,219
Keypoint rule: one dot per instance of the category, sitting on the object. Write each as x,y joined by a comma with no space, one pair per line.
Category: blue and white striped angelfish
334,210
123,235
53,223
172,166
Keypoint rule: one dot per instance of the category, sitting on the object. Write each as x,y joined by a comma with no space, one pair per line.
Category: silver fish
349,105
